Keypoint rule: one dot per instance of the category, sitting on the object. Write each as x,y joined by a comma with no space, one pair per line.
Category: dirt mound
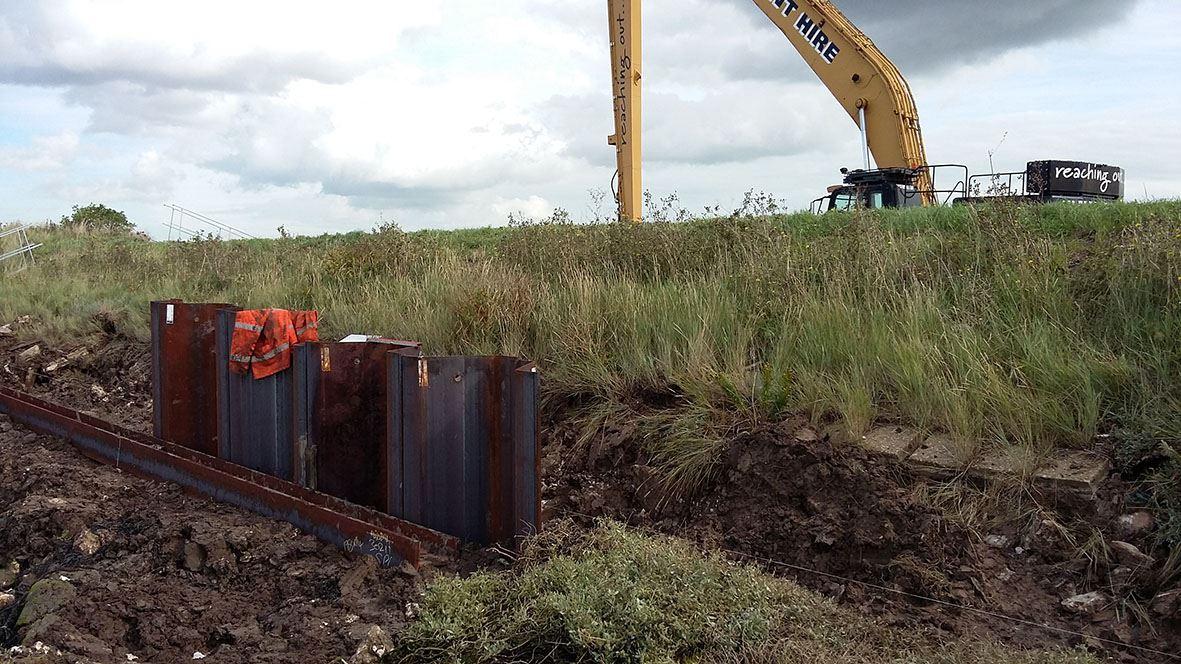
797,500
108,375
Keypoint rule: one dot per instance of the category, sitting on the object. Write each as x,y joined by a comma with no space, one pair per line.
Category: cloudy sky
332,116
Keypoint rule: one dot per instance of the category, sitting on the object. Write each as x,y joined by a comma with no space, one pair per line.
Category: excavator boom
626,56
864,81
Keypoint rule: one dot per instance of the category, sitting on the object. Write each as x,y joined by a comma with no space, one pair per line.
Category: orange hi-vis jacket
262,339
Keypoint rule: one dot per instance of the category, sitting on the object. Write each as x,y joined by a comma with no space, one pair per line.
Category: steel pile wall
255,417
448,443
465,436
391,541
340,396
184,355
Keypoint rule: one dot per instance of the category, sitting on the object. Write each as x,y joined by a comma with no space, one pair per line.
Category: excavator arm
864,81
626,56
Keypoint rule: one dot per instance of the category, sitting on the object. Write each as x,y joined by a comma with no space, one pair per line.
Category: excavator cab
872,190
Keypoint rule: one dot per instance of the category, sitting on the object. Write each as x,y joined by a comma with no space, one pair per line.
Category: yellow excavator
873,93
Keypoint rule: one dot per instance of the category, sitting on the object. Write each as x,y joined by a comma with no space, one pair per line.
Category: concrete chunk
993,465
897,442
1076,471
1007,462
936,457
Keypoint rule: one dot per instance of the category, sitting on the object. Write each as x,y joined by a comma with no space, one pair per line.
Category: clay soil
161,575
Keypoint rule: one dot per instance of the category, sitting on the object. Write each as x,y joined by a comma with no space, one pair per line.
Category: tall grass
1031,326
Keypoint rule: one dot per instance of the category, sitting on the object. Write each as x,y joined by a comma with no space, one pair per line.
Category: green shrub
97,217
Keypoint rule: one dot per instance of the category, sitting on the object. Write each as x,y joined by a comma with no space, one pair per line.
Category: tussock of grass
617,596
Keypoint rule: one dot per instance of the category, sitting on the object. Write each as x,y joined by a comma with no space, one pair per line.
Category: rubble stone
45,598
87,543
897,442
1120,577
9,575
1167,604
1130,555
1087,603
194,557
7,600
807,435
999,541
1136,525
30,353
375,646
1046,538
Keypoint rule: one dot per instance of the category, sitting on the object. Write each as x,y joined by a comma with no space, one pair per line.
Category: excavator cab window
843,200
873,196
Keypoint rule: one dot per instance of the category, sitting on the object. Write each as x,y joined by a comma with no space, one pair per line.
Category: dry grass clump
612,595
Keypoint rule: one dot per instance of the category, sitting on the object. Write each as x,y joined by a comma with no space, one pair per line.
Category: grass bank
1030,326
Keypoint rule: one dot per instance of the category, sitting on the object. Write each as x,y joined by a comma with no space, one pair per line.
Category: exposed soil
162,575
152,572
788,497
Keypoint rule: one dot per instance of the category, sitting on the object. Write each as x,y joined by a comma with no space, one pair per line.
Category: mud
150,571
160,575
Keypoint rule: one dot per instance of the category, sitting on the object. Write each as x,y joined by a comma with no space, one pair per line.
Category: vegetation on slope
612,595
1029,326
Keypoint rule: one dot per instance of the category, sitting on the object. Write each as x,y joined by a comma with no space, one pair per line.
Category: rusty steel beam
389,540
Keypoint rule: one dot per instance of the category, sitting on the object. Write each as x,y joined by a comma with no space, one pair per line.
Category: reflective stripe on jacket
262,339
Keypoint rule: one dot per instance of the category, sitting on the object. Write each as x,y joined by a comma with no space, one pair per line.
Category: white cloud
319,116
534,207
217,44
45,153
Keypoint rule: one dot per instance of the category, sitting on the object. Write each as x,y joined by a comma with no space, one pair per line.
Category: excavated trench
161,575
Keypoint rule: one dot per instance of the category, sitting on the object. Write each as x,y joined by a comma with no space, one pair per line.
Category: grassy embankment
1030,328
